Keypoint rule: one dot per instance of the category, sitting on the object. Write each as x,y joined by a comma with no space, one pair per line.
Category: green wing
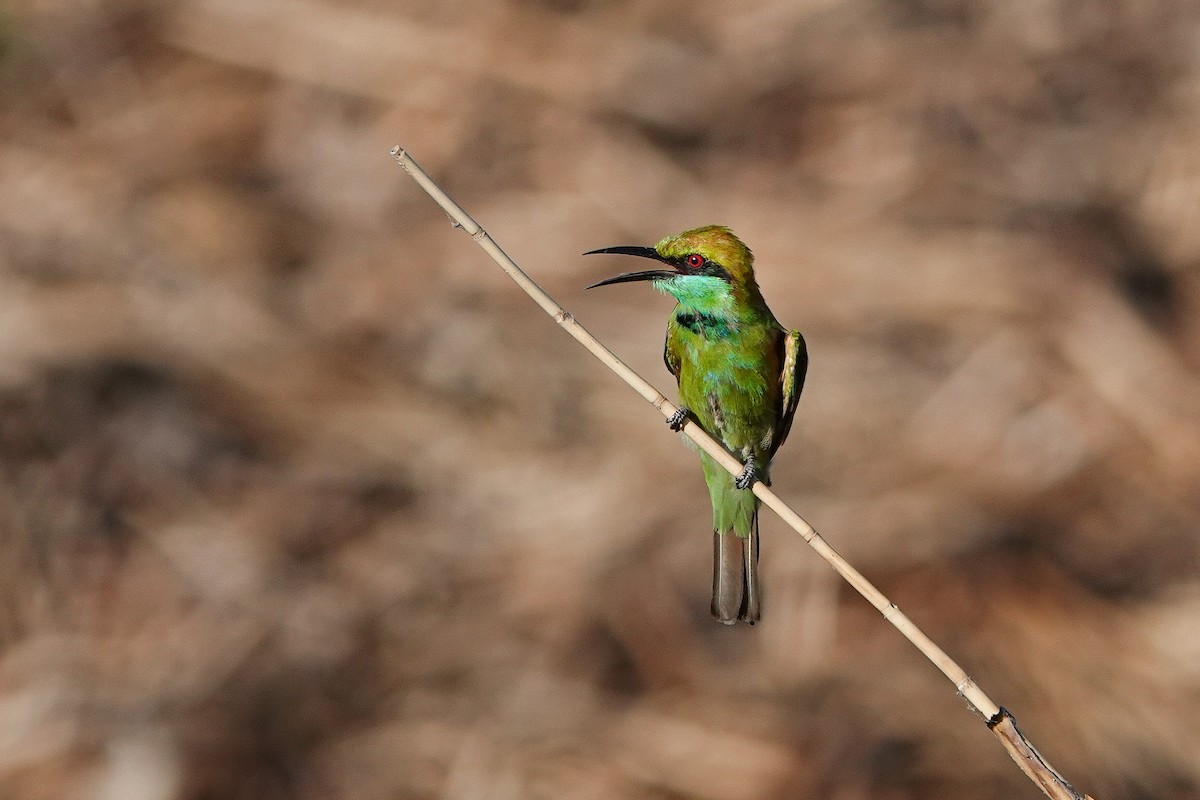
794,366
670,355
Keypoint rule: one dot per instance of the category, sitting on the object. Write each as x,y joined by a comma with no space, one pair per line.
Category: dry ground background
300,498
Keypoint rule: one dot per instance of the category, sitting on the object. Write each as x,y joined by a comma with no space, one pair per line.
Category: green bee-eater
740,375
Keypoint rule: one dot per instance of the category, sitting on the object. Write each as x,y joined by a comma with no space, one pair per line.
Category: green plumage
728,373
740,375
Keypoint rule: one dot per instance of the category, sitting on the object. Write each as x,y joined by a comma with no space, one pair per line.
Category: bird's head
707,269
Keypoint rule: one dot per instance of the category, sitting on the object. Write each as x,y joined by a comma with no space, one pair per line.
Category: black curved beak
644,275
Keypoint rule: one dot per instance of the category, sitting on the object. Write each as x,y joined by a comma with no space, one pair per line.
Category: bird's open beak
644,275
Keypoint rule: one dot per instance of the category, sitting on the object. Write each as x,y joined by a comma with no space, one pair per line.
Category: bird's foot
676,420
749,474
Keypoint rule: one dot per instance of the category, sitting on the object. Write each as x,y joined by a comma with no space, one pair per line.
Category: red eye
695,261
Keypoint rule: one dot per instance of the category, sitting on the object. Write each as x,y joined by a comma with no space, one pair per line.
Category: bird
739,375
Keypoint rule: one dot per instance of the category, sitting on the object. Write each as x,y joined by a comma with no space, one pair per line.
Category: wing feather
670,354
791,383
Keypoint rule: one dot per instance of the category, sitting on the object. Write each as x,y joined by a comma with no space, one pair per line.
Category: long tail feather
728,581
736,594
751,608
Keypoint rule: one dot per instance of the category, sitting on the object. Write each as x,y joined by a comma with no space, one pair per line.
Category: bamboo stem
999,720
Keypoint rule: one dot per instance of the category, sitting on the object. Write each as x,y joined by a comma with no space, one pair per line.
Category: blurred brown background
303,499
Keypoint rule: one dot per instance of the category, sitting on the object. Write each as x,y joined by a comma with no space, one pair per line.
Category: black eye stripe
716,270
709,267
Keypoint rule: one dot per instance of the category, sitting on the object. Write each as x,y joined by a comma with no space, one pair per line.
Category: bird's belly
731,403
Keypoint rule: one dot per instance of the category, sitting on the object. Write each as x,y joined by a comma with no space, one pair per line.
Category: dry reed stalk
998,719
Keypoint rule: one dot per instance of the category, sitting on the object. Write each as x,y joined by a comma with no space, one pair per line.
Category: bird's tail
735,575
